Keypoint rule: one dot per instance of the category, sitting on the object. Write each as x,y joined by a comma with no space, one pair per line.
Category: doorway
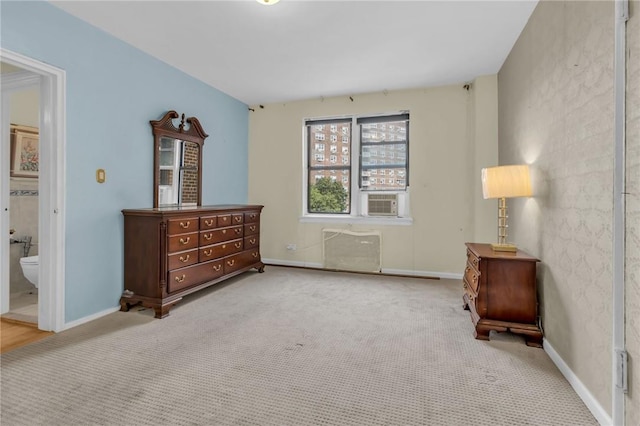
21,108
50,83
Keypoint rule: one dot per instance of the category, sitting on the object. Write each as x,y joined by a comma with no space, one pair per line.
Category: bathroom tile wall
23,201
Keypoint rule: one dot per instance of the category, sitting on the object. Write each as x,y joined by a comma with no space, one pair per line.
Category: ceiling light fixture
268,2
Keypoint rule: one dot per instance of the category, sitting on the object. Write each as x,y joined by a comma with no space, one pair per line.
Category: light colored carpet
290,347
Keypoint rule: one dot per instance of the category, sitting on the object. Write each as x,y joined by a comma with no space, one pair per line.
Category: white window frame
358,195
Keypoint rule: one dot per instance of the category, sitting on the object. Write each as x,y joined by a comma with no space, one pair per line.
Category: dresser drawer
208,222
241,260
182,226
182,259
224,220
251,229
251,217
210,270
251,242
237,218
182,278
220,235
220,250
192,275
183,242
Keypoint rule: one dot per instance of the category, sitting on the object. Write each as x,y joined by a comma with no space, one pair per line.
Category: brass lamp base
504,247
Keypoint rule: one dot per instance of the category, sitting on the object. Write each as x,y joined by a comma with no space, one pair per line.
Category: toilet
30,269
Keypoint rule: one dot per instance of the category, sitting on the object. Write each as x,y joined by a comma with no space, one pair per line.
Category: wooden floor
14,334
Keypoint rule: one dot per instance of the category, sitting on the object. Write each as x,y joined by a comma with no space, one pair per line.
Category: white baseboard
592,404
278,262
86,319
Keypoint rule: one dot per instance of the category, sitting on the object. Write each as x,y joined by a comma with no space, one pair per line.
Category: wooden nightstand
500,292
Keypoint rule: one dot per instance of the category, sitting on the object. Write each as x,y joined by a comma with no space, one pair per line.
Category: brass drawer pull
208,222
237,219
207,236
224,219
253,228
180,279
217,268
224,231
231,262
184,242
238,244
185,225
224,246
207,252
238,230
185,259
252,216
254,254
252,241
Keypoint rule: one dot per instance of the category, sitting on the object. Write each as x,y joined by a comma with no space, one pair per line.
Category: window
331,193
384,146
380,161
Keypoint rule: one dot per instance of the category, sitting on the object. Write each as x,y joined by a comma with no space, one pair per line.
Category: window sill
364,220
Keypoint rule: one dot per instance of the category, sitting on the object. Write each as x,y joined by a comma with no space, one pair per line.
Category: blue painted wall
113,90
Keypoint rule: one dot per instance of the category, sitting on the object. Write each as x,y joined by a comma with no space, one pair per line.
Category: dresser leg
126,304
162,311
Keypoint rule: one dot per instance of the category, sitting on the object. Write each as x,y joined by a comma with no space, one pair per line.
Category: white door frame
51,189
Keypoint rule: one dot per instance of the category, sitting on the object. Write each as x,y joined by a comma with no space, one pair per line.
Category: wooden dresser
500,292
171,252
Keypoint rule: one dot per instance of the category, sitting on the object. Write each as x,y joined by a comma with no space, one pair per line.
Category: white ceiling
302,49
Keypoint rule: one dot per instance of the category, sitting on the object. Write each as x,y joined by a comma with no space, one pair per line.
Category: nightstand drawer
471,277
473,260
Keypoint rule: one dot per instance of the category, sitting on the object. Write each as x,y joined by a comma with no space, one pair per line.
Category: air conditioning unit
382,204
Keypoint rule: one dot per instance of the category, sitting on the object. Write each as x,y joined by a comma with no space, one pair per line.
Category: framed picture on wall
25,151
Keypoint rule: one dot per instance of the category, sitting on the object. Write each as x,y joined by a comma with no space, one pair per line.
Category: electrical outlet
291,247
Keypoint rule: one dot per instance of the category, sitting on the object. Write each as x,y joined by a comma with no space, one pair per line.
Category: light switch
100,176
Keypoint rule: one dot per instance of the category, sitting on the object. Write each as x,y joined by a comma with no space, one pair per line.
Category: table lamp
504,182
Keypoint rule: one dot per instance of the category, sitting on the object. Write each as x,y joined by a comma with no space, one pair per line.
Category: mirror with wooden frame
177,174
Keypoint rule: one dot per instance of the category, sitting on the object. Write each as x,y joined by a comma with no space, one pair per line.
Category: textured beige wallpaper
632,276
556,113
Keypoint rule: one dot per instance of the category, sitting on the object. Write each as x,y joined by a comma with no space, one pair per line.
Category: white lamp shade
268,2
506,182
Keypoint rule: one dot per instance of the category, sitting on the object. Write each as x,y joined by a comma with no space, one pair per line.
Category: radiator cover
352,251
